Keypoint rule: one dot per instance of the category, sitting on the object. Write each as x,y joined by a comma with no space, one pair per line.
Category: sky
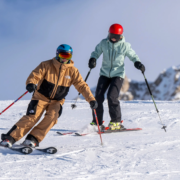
30,32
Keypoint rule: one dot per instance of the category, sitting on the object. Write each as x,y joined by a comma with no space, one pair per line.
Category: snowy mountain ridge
165,87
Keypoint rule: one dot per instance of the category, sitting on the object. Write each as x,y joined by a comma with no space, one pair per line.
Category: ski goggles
65,55
115,36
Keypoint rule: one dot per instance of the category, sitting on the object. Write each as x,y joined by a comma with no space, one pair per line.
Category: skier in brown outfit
53,79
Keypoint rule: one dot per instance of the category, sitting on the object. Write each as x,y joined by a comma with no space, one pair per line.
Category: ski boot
6,143
115,126
7,140
102,127
31,141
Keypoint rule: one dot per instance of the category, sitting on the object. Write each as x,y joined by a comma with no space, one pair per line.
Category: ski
49,150
22,150
60,133
110,131
27,150
72,132
123,130
79,134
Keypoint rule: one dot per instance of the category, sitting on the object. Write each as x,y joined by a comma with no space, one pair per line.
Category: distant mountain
165,87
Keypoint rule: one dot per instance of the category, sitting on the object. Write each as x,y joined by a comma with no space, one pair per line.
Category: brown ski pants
34,112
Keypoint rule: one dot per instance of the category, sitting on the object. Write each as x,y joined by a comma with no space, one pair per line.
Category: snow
150,154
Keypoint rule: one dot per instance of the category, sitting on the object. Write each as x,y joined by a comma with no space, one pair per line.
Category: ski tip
59,133
26,150
78,134
51,150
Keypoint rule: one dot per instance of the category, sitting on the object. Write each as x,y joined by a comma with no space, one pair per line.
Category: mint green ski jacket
113,57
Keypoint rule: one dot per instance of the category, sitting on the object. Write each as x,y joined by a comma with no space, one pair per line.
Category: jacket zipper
111,61
56,84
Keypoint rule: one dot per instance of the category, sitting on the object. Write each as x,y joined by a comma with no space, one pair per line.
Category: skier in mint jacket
112,73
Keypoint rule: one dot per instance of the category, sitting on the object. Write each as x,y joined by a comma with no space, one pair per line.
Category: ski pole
74,105
14,102
98,126
163,126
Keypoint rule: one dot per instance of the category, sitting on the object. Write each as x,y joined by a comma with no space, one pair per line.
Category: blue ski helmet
63,48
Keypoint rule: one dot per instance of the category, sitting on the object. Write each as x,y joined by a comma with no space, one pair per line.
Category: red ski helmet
115,32
116,29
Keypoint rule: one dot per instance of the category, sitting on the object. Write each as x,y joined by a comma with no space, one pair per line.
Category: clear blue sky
31,30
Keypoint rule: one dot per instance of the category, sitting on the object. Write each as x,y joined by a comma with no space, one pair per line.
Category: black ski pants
114,85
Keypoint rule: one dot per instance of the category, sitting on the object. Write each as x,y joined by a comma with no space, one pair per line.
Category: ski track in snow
150,154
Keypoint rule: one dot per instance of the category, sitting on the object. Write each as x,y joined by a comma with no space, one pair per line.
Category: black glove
93,104
31,87
92,63
139,66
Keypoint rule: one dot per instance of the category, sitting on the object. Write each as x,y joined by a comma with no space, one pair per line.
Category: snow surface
150,154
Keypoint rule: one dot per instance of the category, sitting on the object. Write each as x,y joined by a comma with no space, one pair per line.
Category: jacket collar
57,64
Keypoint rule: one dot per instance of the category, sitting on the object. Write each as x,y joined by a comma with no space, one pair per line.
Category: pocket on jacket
32,107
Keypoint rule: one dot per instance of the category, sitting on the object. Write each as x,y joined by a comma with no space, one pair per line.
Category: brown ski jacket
54,79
